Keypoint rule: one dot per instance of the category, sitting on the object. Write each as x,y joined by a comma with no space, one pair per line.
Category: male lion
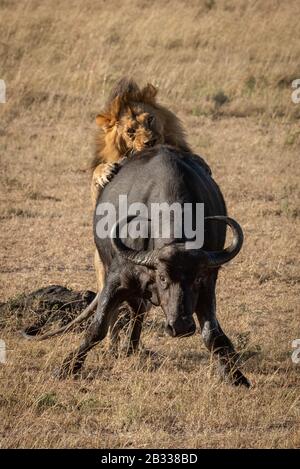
131,121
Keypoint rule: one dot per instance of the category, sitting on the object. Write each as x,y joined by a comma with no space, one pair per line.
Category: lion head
132,120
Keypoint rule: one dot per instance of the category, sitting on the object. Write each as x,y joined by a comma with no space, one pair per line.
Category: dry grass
226,68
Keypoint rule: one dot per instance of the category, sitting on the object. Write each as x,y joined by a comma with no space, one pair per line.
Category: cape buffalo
162,271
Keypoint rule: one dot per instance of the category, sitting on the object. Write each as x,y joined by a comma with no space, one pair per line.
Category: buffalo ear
149,93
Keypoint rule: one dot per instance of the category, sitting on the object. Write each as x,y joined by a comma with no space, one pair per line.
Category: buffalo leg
131,316
119,322
138,307
109,302
215,339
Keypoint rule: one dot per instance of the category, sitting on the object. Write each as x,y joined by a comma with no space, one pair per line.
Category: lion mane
125,100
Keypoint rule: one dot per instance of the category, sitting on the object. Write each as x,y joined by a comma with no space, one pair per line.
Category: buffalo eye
198,281
163,280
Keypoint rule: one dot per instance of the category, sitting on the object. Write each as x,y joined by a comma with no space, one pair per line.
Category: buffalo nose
181,327
171,330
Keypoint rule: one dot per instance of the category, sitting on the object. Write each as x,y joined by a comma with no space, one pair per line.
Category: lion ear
109,118
149,93
103,120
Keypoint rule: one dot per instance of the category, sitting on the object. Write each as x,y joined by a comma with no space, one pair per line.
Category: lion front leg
102,174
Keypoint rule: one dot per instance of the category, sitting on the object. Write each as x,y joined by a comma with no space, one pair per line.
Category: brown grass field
226,68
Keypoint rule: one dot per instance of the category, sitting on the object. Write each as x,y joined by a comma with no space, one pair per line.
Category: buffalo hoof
61,373
64,373
68,369
241,380
234,377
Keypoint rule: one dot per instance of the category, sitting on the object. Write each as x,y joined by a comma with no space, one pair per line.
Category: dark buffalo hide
54,303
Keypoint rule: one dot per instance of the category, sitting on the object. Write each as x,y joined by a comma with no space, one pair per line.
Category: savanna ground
226,68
